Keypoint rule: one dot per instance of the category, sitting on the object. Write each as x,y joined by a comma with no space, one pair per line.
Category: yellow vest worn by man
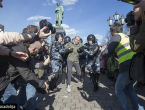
123,49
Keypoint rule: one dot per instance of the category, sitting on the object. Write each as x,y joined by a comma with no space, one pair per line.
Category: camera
44,23
1,27
133,2
130,19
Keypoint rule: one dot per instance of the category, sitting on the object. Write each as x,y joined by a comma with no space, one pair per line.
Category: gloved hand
71,49
81,49
78,50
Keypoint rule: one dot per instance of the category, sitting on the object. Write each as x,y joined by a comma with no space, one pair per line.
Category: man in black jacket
20,68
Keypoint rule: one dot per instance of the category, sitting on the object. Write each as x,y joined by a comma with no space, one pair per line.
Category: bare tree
126,30
108,36
104,42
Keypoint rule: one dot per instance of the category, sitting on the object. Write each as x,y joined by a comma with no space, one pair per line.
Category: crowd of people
25,57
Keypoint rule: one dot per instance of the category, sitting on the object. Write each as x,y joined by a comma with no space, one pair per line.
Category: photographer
137,32
119,43
21,68
14,62
10,38
41,61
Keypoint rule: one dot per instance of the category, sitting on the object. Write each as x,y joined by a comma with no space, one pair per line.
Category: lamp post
110,21
116,17
122,20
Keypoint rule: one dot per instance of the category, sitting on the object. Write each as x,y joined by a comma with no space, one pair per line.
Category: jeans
70,64
26,92
124,84
10,95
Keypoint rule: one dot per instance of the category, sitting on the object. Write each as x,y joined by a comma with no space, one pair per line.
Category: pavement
82,96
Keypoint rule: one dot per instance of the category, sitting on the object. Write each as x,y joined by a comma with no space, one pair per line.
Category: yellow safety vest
123,49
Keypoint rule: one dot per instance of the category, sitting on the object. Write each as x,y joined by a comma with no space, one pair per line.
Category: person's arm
68,45
65,51
10,38
83,48
4,50
42,64
137,38
113,43
20,55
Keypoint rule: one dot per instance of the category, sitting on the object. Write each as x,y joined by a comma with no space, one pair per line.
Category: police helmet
67,39
59,35
92,38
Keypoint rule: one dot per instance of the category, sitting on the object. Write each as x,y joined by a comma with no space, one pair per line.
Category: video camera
1,27
44,23
133,2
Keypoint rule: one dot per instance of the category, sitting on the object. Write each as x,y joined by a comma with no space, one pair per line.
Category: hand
82,48
141,5
78,50
20,55
47,61
47,87
42,35
71,49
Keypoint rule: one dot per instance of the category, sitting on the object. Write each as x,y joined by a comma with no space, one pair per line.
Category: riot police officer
92,52
67,39
82,62
56,59
58,51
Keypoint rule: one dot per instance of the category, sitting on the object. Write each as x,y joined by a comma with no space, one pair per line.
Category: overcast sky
81,17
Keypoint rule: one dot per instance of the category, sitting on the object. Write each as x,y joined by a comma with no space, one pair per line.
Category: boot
63,77
94,81
98,78
52,83
82,74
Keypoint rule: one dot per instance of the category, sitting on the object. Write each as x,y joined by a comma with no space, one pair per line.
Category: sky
81,17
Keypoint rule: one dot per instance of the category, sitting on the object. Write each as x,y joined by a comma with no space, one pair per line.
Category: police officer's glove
71,49
80,49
